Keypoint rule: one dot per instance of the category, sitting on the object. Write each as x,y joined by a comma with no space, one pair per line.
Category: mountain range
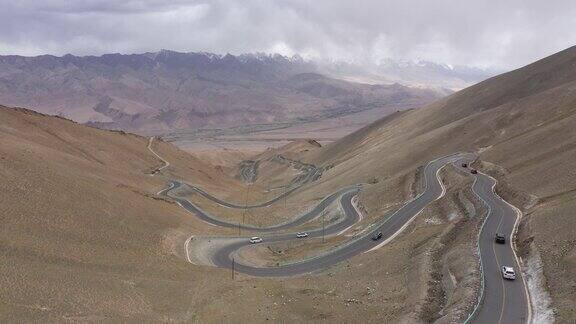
167,90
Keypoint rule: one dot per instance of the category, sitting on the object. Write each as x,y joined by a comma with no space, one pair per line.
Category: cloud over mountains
480,33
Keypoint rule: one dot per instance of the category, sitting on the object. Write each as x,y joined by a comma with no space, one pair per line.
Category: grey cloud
502,34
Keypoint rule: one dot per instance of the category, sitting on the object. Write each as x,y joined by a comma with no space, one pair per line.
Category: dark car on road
377,236
464,165
474,171
500,238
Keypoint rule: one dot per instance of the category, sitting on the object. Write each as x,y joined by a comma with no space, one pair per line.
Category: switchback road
500,301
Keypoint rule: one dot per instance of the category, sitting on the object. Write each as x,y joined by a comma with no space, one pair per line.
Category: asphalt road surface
389,226
311,173
501,301
304,218
223,203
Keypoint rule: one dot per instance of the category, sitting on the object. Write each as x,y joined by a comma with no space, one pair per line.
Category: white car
508,273
255,240
301,234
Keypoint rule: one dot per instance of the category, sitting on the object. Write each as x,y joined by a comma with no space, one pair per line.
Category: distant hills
424,74
167,90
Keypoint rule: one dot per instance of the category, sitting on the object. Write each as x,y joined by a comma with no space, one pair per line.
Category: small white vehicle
255,240
301,234
508,273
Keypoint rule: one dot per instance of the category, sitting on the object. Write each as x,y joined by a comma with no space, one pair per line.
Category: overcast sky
495,33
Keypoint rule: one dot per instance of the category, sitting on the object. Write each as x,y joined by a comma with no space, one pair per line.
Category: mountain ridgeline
166,90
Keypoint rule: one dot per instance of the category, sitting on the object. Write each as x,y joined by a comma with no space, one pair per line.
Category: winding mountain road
390,227
302,219
226,204
500,301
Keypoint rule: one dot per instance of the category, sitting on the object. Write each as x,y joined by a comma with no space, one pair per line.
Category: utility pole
248,194
323,226
239,230
233,268
245,204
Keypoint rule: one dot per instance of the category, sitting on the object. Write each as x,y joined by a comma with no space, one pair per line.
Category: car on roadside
301,234
474,171
508,273
255,240
377,236
500,238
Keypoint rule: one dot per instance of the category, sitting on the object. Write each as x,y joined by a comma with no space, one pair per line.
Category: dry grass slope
523,123
83,237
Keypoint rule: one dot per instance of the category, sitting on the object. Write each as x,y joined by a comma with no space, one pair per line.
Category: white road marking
413,217
355,201
518,214
518,259
179,204
395,234
166,189
440,181
481,296
186,248
347,228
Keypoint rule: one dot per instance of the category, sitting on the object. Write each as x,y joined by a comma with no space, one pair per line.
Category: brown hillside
523,123
83,237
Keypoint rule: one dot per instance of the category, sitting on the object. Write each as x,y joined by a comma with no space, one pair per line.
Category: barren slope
524,125
83,237
94,244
